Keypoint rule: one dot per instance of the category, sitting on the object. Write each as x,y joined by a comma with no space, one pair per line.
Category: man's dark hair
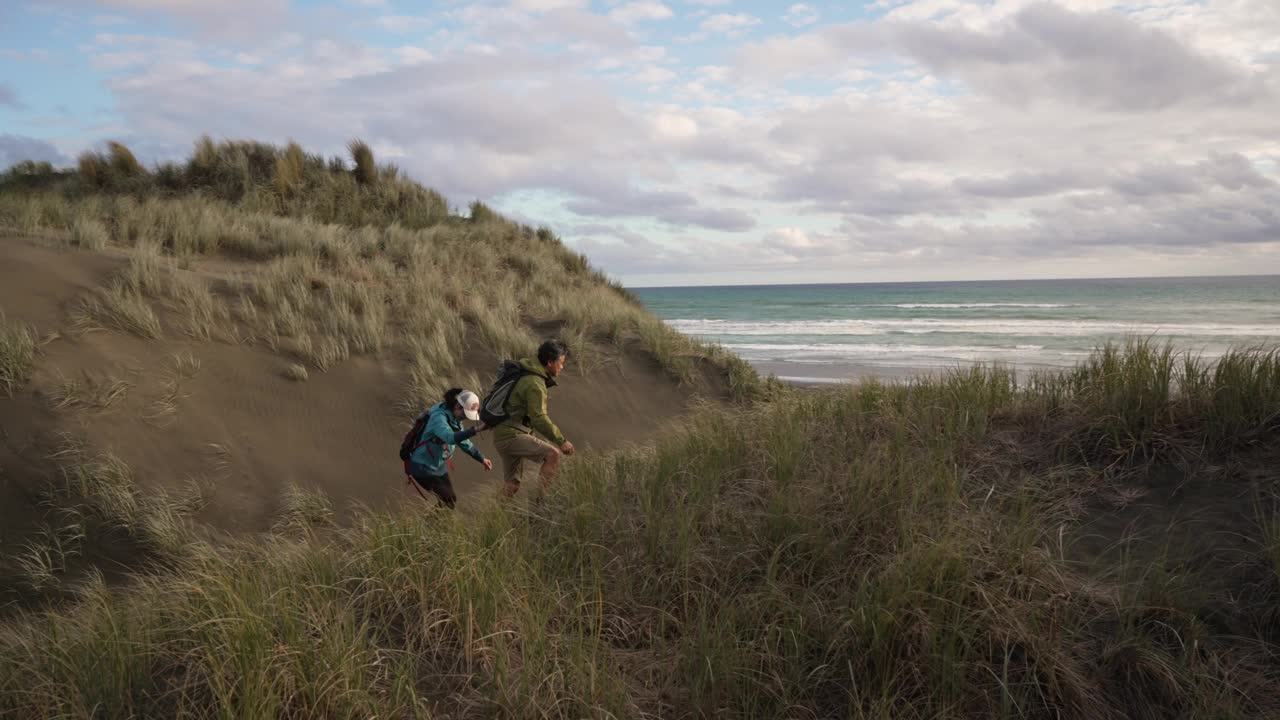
550,350
451,397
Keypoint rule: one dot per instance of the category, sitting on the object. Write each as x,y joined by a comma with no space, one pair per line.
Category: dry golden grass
163,409
88,393
89,233
289,169
302,509
122,160
17,354
116,308
366,171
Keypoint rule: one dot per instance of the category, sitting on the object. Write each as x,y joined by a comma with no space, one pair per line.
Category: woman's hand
488,464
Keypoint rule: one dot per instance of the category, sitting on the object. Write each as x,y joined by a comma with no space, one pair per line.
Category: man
527,409
429,464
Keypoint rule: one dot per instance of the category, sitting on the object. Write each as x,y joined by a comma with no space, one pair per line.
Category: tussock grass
17,354
44,557
101,487
163,409
366,171
117,308
301,509
122,160
828,554
88,393
296,372
289,170
89,233
185,365
92,168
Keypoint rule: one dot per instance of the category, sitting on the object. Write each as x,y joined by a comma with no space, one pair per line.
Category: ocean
831,333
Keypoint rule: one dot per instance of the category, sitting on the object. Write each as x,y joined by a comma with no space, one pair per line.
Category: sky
694,142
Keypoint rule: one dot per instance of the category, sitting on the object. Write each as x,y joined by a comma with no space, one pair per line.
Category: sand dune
227,418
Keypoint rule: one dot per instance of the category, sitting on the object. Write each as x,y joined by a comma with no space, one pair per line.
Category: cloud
8,97
16,148
653,75
547,5
796,244
403,23
633,12
1042,53
675,208
549,21
228,20
1103,60
619,250
1025,184
800,15
728,24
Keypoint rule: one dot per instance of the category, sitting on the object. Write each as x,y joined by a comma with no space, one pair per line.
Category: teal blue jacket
435,445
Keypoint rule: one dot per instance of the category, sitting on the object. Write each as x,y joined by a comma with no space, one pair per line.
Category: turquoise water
834,332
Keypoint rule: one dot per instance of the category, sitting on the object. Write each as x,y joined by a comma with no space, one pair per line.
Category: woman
429,464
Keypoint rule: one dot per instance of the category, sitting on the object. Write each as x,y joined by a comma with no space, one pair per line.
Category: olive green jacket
527,406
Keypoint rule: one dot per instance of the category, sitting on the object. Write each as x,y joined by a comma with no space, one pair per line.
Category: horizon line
941,282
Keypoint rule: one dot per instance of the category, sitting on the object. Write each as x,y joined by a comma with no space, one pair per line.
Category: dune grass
97,496
87,392
296,372
846,553
254,176
17,354
301,509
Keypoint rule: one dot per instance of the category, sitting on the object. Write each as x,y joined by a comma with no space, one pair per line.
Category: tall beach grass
845,553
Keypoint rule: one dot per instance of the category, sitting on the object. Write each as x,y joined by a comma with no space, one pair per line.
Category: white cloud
638,11
654,75
724,23
410,54
800,15
547,5
673,125
403,23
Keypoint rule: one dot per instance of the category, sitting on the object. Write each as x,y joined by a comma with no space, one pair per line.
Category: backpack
493,411
410,441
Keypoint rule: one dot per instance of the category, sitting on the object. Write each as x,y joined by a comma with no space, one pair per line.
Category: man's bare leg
550,466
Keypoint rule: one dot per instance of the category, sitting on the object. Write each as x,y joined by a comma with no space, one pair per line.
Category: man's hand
567,448
488,464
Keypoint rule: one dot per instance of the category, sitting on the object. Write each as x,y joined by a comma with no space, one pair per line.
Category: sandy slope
241,427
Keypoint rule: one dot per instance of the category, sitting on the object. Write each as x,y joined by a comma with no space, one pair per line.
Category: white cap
470,404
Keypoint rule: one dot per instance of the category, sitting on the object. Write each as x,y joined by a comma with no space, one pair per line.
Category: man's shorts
515,451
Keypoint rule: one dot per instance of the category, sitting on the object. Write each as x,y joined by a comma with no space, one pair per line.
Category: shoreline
819,376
